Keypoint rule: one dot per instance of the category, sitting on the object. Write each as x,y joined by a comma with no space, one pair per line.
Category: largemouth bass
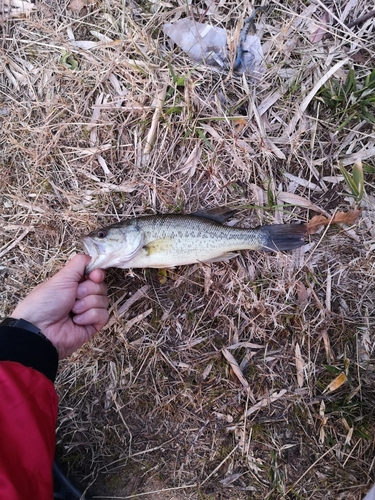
162,241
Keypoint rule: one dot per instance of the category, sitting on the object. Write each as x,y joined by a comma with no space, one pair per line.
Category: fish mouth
92,250
101,259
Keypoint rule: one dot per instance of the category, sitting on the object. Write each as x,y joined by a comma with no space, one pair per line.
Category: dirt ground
247,379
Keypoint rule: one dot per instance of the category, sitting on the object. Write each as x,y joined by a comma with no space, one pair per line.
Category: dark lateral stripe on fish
283,236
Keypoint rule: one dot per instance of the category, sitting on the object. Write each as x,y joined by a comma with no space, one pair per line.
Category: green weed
354,181
353,100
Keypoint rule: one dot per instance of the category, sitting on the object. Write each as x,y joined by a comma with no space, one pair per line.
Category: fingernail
78,319
78,306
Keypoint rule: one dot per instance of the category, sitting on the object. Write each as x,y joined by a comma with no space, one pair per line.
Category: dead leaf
136,320
212,132
346,217
235,367
230,479
300,364
104,166
77,5
336,383
327,346
322,433
349,435
239,124
207,279
264,402
322,409
248,345
102,38
85,44
299,201
157,103
139,294
17,8
339,218
192,162
162,276
274,149
363,154
207,371
322,28
223,416
313,225
302,293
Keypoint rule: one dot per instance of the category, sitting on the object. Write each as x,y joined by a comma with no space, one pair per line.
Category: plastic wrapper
371,494
207,44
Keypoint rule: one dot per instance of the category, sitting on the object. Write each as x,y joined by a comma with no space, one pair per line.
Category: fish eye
101,234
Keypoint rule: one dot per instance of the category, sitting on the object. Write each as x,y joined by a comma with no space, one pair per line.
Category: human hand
69,308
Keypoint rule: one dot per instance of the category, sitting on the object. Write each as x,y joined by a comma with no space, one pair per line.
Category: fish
170,240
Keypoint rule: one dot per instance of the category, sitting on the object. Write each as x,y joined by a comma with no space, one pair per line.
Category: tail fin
283,237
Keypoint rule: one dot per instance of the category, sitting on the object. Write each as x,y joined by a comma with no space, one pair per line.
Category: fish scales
191,237
162,241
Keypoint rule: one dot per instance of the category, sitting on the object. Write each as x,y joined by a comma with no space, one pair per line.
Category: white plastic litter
208,45
371,494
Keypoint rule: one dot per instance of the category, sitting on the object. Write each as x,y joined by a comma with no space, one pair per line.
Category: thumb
74,270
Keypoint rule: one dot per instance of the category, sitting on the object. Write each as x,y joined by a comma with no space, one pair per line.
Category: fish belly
170,252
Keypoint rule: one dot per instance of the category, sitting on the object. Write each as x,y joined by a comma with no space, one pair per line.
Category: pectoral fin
224,256
158,246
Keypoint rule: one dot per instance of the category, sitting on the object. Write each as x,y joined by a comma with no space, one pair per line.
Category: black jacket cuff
28,349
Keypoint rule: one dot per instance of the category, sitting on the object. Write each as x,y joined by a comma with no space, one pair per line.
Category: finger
96,317
74,270
97,275
90,302
88,287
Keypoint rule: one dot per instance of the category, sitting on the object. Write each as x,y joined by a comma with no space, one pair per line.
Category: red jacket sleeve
28,413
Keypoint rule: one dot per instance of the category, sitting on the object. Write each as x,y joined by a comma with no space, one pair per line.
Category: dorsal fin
217,214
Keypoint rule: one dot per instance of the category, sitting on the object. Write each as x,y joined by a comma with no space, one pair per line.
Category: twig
15,242
128,304
361,19
220,464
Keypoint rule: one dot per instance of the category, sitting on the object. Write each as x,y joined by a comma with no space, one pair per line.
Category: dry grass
211,384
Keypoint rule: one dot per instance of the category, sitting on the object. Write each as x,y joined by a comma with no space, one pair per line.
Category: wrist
22,342
28,314
24,324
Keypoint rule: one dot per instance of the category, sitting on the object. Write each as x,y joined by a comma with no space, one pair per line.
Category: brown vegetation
252,378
